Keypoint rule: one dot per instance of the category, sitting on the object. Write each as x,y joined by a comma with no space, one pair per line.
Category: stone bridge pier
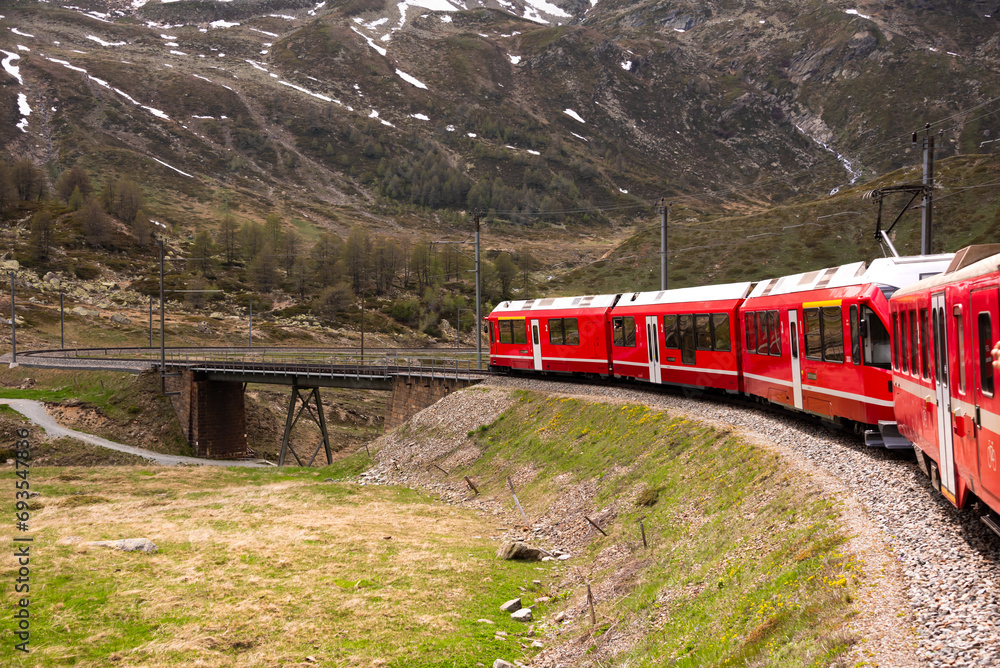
413,393
211,412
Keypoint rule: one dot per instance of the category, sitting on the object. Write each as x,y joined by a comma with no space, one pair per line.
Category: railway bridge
206,386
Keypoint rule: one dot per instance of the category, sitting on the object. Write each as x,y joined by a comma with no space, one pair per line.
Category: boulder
12,265
79,310
511,605
217,315
522,615
500,663
127,545
119,319
521,551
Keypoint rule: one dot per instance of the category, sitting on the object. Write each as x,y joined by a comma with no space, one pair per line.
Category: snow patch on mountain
572,114
103,43
13,70
25,109
410,79
173,168
370,41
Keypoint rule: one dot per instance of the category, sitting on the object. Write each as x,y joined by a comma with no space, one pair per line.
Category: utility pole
926,214
250,326
13,322
151,322
479,315
458,328
362,324
163,348
62,323
663,208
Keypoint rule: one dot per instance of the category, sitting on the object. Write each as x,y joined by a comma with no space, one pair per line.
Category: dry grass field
260,568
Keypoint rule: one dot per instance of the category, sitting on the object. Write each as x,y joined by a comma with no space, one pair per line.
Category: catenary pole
62,323
13,322
926,215
479,314
664,219
163,347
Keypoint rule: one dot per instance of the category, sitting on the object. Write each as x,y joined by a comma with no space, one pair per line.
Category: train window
750,324
571,330
670,335
720,328
914,344
985,358
564,331
686,325
763,338
703,331
895,334
939,347
855,335
925,344
876,344
520,330
624,331
775,330
833,334
814,339
960,327
555,331
506,333
904,343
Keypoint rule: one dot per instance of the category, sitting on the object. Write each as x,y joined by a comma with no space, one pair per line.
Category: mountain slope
400,114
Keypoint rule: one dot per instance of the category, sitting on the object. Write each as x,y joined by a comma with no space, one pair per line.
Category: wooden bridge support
307,398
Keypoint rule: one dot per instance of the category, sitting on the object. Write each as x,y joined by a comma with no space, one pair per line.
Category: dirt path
39,415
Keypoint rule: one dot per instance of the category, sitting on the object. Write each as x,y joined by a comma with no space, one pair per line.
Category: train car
944,382
688,336
819,342
559,334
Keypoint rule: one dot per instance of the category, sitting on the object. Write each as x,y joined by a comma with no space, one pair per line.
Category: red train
867,345
944,384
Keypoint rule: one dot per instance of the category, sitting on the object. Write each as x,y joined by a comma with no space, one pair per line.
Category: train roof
895,272
550,303
985,266
702,293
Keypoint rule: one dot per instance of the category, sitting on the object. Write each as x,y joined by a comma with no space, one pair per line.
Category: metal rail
302,362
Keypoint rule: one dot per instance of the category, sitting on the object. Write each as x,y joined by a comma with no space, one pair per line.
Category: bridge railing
341,361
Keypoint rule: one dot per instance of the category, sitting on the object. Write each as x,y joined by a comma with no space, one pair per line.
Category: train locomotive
898,349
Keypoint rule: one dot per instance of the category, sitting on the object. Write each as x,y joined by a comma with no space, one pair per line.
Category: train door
536,345
942,380
793,335
985,333
653,349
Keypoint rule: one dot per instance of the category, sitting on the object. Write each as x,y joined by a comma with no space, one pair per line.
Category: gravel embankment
949,562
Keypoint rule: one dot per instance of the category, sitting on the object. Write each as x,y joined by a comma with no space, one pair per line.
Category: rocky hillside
514,106
541,114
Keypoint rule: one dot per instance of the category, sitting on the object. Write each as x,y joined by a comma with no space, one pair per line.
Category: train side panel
951,411
825,352
560,335
688,336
